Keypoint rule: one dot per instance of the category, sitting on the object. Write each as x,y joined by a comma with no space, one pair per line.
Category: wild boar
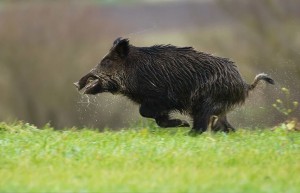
166,78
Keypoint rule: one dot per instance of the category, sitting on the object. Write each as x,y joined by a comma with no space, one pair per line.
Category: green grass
147,160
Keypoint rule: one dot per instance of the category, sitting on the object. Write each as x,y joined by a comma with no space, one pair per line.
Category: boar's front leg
163,120
161,116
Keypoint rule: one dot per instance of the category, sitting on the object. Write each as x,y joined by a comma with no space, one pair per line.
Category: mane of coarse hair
164,48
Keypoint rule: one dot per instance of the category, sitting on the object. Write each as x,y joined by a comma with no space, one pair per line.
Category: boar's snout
90,83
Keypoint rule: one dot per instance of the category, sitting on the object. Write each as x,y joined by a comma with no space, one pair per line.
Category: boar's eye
106,63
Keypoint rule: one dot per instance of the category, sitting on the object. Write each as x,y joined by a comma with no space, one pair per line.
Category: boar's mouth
90,84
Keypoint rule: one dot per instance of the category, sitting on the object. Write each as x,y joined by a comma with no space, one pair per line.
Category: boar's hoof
184,124
194,132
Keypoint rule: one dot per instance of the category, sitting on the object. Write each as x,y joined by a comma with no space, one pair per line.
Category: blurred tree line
46,46
269,33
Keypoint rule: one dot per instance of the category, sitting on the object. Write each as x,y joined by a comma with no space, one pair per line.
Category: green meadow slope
147,159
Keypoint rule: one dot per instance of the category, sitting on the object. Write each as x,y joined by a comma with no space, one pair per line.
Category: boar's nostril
76,84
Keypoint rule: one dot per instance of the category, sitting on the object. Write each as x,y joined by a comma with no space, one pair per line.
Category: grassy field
147,159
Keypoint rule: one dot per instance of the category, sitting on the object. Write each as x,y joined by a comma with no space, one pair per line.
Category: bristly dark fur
164,78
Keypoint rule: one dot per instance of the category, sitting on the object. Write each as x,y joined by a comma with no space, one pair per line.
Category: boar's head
107,75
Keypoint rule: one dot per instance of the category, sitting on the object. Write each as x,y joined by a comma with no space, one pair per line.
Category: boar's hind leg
223,125
201,121
161,116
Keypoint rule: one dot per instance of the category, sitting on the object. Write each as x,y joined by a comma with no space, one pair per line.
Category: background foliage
47,45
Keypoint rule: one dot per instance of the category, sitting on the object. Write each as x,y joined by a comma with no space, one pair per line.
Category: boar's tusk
76,84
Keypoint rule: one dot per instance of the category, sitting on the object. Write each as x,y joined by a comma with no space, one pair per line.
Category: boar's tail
260,77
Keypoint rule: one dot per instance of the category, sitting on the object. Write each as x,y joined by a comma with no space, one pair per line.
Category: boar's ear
121,47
